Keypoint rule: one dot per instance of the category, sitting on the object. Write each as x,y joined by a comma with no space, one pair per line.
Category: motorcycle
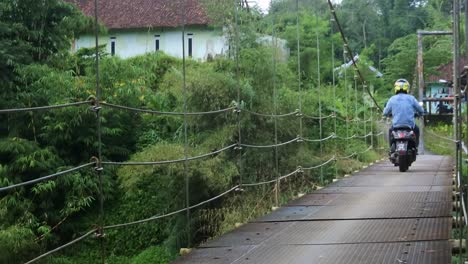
403,148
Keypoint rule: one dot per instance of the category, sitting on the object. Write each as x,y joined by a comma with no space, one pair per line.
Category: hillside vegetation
37,69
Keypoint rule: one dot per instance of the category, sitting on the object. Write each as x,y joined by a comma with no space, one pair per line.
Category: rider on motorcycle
403,108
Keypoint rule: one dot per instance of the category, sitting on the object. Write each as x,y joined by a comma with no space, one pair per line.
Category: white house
136,27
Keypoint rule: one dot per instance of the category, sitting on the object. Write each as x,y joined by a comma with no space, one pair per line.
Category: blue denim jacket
403,107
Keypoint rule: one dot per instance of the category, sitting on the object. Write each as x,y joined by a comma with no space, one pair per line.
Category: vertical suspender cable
456,85
372,123
334,91
99,133
319,88
356,116
299,75
274,51
347,96
238,112
299,78
184,91
364,114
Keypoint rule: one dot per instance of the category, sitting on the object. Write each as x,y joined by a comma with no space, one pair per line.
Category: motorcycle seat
406,128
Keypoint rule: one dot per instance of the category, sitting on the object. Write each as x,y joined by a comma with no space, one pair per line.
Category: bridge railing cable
45,178
74,241
155,112
295,113
236,109
157,217
319,117
332,136
43,108
146,163
272,145
441,137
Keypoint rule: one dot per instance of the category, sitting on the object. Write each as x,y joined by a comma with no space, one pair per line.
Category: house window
156,42
112,46
190,44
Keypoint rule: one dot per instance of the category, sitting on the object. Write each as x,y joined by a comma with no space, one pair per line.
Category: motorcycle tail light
402,134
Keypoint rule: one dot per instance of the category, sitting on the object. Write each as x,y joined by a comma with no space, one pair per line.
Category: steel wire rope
150,163
290,174
297,139
300,169
275,107
359,120
372,125
239,127
320,165
341,119
355,120
457,114
332,136
367,150
346,157
347,100
149,111
450,148
364,113
319,87
63,246
346,138
299,73
48,177
441,137
356,115
365,136
153,218
97,108
334,94
184,92
42,108
299,81
272,115
345,42
271,181
332,115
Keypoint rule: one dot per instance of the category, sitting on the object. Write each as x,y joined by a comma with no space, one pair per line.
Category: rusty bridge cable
345,41
43,108
152,163
48,177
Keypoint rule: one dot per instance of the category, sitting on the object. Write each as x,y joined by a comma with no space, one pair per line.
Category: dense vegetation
37,69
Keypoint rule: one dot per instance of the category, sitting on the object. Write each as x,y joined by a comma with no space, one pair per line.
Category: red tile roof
445,72
125,14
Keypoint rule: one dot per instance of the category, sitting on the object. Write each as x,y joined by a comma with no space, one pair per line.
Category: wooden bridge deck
378,215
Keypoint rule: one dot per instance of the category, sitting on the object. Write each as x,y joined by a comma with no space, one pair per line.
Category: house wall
129,43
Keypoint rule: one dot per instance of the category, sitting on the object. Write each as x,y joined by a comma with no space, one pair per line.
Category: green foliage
35,31
437,145
402,58
17,244
157,255
39,71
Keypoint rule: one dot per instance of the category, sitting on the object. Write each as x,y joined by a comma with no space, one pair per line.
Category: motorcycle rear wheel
403,164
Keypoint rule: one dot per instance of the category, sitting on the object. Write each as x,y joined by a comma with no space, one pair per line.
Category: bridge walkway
377,215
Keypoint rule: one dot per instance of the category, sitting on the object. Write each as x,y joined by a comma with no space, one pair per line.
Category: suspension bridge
375,215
